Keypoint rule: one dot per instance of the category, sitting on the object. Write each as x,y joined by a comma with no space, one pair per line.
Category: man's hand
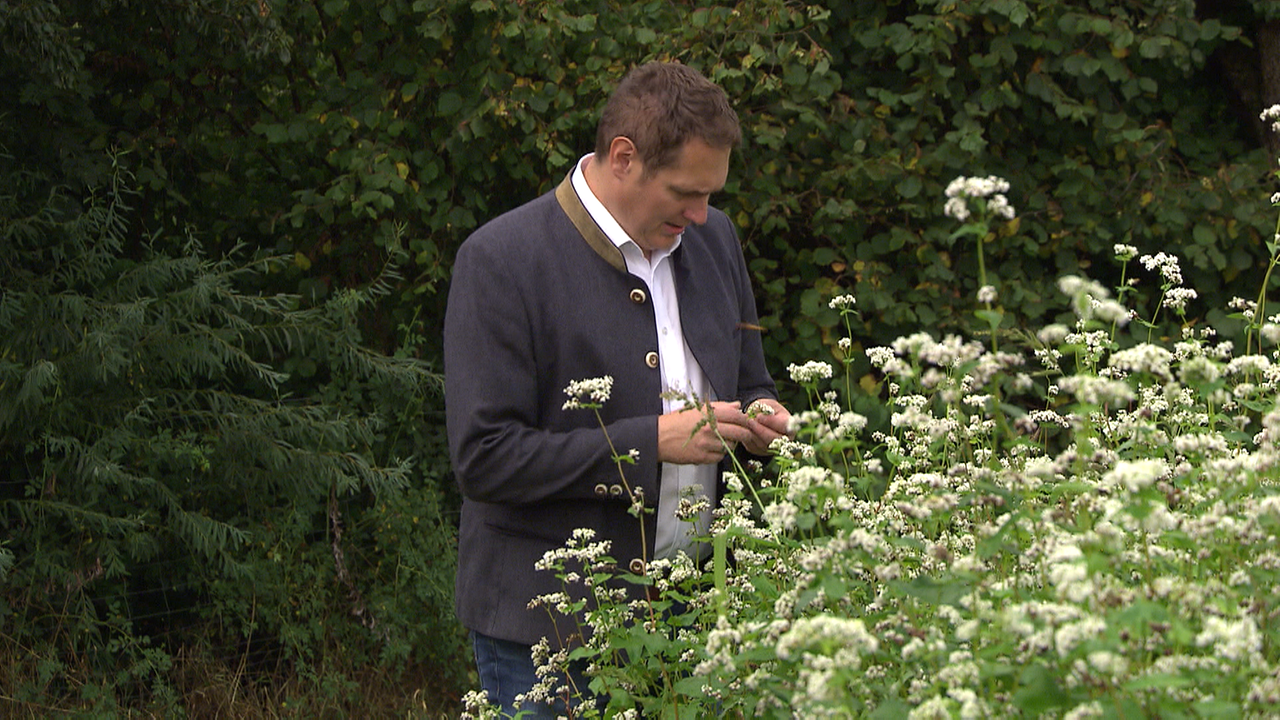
765,426
682,440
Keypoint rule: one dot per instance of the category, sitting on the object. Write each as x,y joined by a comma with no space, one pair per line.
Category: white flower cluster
1097,390
478,707
1134,475
1165,263
1134,456
590,392
1247,308
886,358
842,302
827,633
1143,358
1176,298
1237,640
990,190
1090,300
578,548
810,372
950,351
1271,115
1124,253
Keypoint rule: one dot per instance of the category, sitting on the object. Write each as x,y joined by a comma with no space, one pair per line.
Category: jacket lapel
581,219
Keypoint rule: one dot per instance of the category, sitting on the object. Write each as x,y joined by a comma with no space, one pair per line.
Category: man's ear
623,158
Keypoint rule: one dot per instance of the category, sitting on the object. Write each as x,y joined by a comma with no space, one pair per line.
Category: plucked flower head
588,393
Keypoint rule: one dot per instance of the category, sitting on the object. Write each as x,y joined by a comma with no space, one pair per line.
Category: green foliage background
350,138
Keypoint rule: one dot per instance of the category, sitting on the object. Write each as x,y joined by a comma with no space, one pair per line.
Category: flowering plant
1067,526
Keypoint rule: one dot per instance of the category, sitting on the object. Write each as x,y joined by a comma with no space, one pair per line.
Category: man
624,270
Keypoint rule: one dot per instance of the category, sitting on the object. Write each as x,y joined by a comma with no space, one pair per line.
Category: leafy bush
165,498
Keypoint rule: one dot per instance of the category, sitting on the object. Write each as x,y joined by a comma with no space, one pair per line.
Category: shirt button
651,359
637,295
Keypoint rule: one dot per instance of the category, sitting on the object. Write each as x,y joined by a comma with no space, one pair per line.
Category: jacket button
636,567
602,490
615,490
637,296
651,359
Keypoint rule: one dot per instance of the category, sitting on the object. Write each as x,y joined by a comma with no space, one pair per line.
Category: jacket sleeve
508,444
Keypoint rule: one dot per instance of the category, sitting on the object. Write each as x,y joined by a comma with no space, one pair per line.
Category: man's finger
735,433
730,413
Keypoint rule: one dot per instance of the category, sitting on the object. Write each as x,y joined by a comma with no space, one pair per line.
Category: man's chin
663,242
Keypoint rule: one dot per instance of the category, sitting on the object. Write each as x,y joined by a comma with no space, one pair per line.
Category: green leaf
935,592
1158,681
1153,47
1218,709
910,186
449,103
1040,691
992,317
891,709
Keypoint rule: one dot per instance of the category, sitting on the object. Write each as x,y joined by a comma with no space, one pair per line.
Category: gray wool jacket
540,297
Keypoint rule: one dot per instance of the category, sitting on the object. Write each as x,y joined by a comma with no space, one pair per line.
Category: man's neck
596,173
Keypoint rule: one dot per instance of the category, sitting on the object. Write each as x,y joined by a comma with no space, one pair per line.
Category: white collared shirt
679,371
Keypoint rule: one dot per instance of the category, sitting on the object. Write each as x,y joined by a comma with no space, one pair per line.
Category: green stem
982,263
1260,310
1120,293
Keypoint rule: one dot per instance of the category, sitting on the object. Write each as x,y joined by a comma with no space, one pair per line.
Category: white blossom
1135,475
810,372
588,392
1166,264
1271,115
989,191
1124,252
842,302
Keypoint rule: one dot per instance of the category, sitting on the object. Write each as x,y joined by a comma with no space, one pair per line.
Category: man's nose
696,211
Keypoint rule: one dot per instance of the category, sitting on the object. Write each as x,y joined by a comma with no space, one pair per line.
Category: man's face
654,208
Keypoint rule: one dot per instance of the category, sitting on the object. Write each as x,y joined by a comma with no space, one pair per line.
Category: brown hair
661,106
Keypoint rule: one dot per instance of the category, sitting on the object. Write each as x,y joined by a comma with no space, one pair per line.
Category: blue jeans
506,670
